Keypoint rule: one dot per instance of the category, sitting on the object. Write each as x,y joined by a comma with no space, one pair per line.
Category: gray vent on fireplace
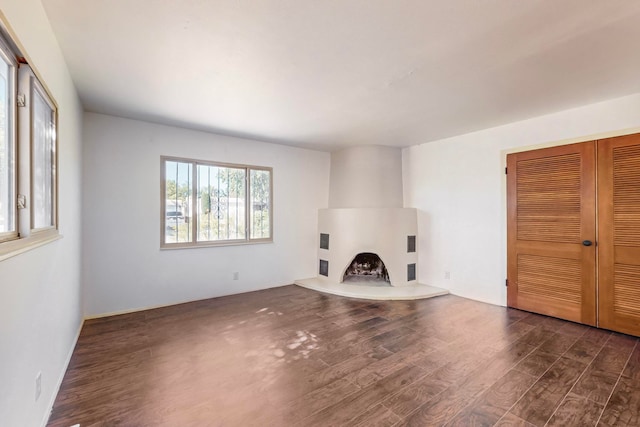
324,268
411,243
411,272
324,241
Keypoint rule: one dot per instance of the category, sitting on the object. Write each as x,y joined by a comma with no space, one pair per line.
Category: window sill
19,246
217,244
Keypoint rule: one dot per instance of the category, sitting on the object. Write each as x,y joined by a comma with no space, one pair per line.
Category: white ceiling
333,73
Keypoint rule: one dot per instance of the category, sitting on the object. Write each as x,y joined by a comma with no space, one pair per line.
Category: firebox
366,267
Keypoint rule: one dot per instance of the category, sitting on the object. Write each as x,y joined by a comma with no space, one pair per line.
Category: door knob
587,242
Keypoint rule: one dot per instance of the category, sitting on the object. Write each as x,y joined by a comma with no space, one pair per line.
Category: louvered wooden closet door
619,230
551,212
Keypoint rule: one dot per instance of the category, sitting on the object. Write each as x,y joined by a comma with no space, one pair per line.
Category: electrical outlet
447,275
236,275
38,385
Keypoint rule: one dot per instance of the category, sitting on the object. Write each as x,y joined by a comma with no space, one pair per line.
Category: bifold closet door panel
551,231
619,233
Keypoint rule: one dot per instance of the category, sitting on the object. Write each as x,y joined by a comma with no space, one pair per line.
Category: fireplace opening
367,267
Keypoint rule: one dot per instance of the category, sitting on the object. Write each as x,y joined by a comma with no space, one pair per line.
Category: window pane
7,198
221,203
177,205
260,204
43,162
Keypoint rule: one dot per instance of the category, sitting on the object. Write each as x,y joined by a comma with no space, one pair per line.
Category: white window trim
194,243
19,246
7,55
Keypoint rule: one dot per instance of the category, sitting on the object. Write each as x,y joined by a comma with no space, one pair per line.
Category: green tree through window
221,203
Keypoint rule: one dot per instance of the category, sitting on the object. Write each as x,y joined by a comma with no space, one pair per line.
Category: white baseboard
47,414
169,304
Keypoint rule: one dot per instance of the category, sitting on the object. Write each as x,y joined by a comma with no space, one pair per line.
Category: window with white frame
8,208
207,203
43,158
28,161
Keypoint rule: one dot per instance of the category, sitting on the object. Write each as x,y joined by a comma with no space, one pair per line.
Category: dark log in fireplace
366,267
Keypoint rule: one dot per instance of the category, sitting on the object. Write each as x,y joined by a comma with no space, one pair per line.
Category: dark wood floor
294,357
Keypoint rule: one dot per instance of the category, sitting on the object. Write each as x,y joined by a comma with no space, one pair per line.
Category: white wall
458,186
124,268
40,290
366,177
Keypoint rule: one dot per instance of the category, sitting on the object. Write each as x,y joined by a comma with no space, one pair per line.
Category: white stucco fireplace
366,218
381,231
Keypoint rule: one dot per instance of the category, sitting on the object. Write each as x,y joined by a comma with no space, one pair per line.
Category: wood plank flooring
294,357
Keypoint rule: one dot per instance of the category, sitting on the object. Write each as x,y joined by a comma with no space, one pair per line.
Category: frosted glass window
43,162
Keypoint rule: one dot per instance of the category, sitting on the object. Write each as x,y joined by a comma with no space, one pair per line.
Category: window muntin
43,159
8,208
260,206
232,203
221,203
